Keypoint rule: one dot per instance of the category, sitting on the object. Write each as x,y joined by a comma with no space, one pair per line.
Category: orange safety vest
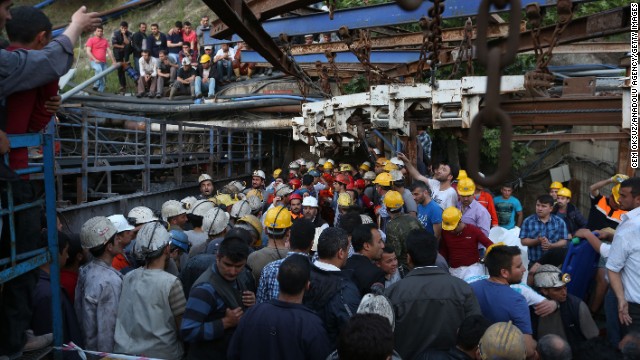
614,215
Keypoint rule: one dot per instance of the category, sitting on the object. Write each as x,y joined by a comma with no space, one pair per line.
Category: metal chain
465,50
331,57
492,115
332,4
304,81
362,50
431,39
323,74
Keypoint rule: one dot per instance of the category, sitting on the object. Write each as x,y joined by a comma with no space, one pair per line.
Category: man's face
563,200
99,32
310,212
145,56
517,270
442,173
206,188
225,47
378,169
154,30
506,192
143,28
388,263
124,29
187,29
558,294
327,37
64,255
418,195
5,15
626,200
376,245
162,56
204,21
208,51
466,200
228,269
553,193
295,206
308,40
543,209
124,238
206,65
185,49
257,182
180,220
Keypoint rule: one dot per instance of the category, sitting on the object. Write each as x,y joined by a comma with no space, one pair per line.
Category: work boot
172,93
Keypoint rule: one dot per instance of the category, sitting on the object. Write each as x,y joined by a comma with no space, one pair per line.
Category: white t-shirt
445,198
232,53
624,256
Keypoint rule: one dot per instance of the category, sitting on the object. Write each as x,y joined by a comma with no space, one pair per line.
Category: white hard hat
215,221
395,160
188,202
260,174
172,208
141,215
237,184
283,190
310,164
240,209
120,222
310,201
302,162
152,237
294,165
321,161
96,231
254,203
369,175
377,151
201,207
332,162
204,177
396,175
366,219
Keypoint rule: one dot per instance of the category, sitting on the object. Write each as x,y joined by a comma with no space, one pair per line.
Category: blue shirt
499,303
554,229
269,287
429,214
506,209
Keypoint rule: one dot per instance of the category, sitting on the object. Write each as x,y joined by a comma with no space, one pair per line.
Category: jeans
175,58
221,64
614,331
209,82
98,68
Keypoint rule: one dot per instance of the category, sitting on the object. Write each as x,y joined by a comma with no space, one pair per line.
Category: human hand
248,298
623,312
87,21
231,317
545,307
545,244
53,104
618,178
402,157
534,268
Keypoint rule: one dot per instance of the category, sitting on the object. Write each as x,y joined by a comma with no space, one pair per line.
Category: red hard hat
295,196
359,184
342,178
350,186
295,184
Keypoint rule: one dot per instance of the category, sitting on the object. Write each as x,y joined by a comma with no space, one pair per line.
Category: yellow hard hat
383,179
255,192
556,185
365,166
346,167
226,199
277,220
462,174
327,166
393,200
277,172
382,161
344,200
390,166
564,192
205,59
450,218
615,191
466,187
253,221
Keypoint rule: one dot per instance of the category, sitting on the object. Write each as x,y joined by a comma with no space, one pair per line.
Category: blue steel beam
369,16
377,57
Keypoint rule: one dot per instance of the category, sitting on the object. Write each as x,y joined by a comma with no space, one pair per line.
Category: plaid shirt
269,287
555,230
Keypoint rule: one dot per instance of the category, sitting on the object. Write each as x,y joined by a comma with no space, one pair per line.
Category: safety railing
21,263
95,145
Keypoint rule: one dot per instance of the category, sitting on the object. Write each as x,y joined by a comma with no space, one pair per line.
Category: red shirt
99,48
462,249
487,201
26,114
69,280
191,37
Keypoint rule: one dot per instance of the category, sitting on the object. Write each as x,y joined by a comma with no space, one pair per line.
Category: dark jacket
365,273
155,46
136,43
573,218
334,297
118,39
570,314
433,304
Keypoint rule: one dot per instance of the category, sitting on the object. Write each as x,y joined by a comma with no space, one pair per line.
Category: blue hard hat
180,240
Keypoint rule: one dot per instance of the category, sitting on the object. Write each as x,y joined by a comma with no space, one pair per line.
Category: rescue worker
174,214
554,188
277,222
399,224
206,186
568,212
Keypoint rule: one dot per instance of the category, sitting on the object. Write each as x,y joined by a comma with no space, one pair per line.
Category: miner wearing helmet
568,212
206,186
277,222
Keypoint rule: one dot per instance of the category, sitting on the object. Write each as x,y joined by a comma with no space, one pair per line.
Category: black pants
16,296
634,312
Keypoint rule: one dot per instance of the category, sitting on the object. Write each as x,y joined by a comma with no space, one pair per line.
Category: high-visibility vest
611,214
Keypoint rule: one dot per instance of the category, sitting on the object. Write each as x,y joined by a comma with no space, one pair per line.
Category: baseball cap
185,61
549,276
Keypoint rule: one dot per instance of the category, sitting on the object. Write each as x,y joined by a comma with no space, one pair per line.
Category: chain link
465,51
431,40
492,115
332,4
331,57
361,48
323,74
304,81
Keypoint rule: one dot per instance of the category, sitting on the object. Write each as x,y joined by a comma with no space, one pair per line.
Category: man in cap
363,168
99,285
205,77
554,188
185,81
257,182
429,213
295,206
152,301
572,321
568,212
503,341
217,301
174,214
215,224
339,187
472,212
206,187
399,225
124,237
413,298
310,212
544,234
410,206
459,244
496,298
277,223
308,39
301,240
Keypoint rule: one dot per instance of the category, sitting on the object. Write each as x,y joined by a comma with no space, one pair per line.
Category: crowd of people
168,64
342,261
